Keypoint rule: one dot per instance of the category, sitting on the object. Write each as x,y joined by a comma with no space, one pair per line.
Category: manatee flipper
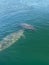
23,36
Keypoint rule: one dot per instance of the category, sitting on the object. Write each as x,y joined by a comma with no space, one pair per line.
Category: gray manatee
27,26
10,39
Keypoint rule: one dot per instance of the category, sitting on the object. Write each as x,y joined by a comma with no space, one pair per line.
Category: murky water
34,48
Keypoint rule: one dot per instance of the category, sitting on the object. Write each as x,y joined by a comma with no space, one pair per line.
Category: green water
34,48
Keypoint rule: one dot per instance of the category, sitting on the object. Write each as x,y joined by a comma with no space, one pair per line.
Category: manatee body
10,39
27,26
15,36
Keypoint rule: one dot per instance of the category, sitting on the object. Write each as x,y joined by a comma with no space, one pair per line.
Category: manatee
27,26
11,39
15,36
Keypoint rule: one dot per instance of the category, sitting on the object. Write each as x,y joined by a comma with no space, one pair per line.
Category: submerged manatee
27,26
10,39
13,37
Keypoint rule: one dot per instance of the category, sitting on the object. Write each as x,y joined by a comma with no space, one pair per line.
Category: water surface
34,48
